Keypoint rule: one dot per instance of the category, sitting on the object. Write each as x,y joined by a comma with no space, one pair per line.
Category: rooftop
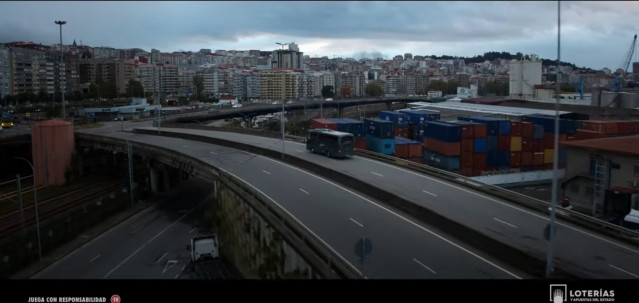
628,145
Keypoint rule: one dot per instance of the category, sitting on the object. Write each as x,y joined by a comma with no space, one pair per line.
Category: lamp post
282,125
64,113
35,202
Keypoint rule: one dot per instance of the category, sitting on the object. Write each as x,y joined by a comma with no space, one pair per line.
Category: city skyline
593,34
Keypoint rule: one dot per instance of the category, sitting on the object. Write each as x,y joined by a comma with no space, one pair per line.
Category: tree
374,89
327,91
198,83
134,89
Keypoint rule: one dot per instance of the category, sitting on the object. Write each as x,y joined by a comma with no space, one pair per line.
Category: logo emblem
558,293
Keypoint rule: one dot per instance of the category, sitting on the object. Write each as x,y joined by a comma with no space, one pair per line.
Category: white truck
203,248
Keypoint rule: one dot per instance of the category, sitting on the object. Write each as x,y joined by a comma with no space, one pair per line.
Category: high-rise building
105,70
288,59
4,71
279,84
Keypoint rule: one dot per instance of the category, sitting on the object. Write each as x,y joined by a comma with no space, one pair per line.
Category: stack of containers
601,129
400,120
352,126
323,123
492,140
567,130
516,139
416,120
527,132
538,146
473,147
442,145
408,149
380,136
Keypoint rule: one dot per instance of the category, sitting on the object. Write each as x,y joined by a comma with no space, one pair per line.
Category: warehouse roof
628,145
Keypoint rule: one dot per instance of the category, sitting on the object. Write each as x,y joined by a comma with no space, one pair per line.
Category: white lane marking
504,222
138,229
162,257
422,264
374,173
360,225
392,212
192,230
181,270
304,191
169,264
213,152
94,258
296,219
143,245
506,204
266,172
615,267
432,194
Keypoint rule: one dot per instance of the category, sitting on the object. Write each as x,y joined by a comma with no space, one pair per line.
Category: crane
624,65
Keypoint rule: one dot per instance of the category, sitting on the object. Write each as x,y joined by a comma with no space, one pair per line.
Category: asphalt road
340,217
578,251
149,245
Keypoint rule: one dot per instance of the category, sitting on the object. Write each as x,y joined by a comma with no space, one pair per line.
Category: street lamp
282,126
35,202
64,113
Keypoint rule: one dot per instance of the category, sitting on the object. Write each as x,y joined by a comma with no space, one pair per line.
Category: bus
7,120
330,143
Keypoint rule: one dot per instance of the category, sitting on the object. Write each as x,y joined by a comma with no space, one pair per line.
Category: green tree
374,89
451,87
198,83
438,85
327,91
134,89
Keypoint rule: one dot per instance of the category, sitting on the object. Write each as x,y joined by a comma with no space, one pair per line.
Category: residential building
5,89
279,84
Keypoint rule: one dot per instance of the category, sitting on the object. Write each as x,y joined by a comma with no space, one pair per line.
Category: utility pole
130,154
62,70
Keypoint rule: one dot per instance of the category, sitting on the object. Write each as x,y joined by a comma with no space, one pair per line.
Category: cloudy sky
593,34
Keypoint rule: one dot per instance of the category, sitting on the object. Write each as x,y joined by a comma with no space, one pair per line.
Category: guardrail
610,229
338,266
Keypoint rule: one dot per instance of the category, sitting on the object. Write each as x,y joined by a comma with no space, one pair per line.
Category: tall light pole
282,125
62,72
35,202
553,206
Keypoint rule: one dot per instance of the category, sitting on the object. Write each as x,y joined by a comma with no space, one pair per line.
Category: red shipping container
467,145
468,172
628,127
360,143
467,131
515,159
503,142
401,151
526,159
480,131
401,132
527,129
606,127
527,145
583,134
444,148
538,158
479,161
549,140
323,123
466,160
515,128
538,146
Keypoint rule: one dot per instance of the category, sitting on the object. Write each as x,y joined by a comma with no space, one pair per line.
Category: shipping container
503,158
444,148
400,119
466,160
421,116
583,134
442,131
538,132
503,142
481,131
479,160
477,171
574,116
491,158
416,132
467,128
515,159
538,146
323,123
563,155
527,129
348,125
380,145
568,127
548,155
492,124
467,172
492,143
441,161
526,159
504,127
401,132
516,144
467,145
405,148
526,145
479,146
538,158
515,129
379,128
360,142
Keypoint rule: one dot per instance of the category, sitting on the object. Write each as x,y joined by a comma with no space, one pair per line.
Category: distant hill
491,56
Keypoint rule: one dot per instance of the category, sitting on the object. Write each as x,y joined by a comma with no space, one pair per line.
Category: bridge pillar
166,175
153,179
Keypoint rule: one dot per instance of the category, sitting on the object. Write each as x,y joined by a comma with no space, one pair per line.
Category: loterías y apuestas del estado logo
560,293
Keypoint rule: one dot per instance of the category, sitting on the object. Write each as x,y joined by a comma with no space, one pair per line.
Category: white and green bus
330,142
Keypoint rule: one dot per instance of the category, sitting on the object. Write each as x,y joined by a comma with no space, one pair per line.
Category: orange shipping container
526,159
466,160
538,158
467,145
444,148
526,145
515,159
515,128
480,131
468,172
360,143
527,129
479,161
323,123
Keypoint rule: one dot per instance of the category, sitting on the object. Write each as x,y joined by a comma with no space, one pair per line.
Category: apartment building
279,84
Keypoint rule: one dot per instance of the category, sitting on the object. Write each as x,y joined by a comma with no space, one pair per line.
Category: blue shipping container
400,119
480,145
492,124
568,127
442,131
492,143
504,127
538,131
491,158
379,145
379,128
348,125
417,116
440,161
503,158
